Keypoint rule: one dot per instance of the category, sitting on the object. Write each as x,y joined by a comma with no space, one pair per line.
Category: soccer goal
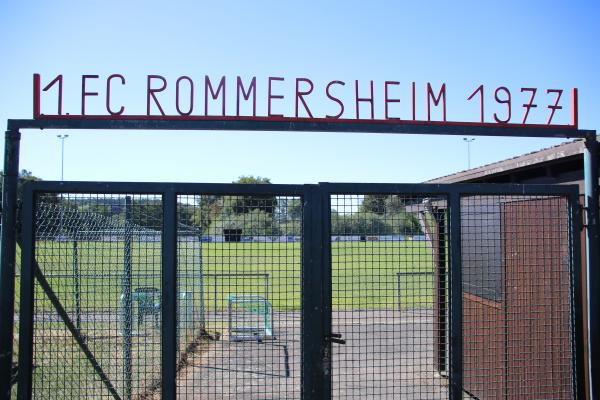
250,318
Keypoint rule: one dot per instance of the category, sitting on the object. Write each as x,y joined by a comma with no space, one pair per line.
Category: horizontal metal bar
447,188
162,187
287,124
298,190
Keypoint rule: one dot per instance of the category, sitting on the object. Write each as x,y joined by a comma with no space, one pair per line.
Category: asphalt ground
388,355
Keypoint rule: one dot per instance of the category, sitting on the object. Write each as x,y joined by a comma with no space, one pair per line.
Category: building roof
564,151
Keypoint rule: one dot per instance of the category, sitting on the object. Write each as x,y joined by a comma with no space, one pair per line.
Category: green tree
24,177
253,223
360,223
208,209
403,223
288,209
394,204
374,203
245,204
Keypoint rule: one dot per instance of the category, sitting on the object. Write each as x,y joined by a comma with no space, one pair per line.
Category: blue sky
543,44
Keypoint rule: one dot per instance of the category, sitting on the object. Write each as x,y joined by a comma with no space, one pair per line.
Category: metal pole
62,155
76,286
201,289
442,292
577,317
456,309
26,306
7,257
592,262
169,297
316,349
398,282
468,151
127,302
215,292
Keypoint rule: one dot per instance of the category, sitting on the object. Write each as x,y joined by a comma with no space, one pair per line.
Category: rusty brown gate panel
517,304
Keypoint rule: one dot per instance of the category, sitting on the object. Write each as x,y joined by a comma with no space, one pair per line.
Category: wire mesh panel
244,270
389,296
516,297
100,256
97,321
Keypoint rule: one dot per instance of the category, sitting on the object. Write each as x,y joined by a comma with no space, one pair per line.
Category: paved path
388,355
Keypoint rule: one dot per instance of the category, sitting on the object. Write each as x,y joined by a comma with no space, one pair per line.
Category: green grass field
363,273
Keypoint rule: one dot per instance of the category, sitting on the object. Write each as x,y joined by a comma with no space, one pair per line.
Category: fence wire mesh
101,257
239,288
517,297
386,295
249,304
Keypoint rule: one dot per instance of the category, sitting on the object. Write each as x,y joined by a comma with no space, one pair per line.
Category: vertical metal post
456,309
441,290
316,351
215,292
267,286
324,224
201,288
127,301
27,300
169,296
7,257
577,348
592,265
398,283
229,317
76,286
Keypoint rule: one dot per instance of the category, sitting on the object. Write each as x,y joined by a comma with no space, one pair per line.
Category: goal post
249,318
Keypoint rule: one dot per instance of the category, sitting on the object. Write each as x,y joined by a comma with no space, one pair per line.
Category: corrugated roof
562,150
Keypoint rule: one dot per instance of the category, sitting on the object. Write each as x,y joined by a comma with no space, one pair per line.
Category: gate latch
336,338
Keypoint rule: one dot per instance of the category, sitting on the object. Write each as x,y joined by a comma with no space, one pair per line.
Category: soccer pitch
363,273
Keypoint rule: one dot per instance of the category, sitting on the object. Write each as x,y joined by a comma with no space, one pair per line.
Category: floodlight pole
469,141
62,176
7,258
62,155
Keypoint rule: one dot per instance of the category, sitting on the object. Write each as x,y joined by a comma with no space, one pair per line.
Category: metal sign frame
312,194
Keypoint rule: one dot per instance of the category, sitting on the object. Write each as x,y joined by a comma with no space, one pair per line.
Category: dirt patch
194,349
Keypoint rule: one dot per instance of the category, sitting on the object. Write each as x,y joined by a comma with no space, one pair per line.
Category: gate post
592,265
440,278
316,358
169,296
127,306
7,257
456,306
577,317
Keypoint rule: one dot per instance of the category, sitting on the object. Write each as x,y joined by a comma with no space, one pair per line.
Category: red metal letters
390,101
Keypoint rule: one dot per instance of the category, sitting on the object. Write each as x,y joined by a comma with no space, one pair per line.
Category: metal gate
225,291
